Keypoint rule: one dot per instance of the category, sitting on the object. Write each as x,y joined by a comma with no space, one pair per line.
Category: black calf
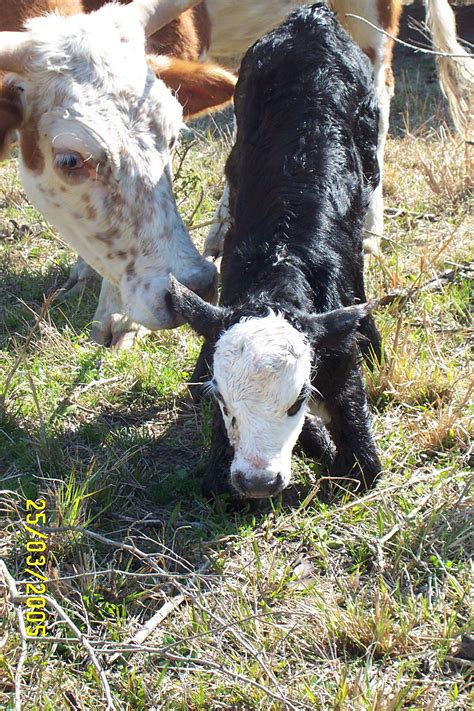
301,174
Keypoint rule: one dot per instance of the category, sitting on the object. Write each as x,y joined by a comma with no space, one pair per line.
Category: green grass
297,603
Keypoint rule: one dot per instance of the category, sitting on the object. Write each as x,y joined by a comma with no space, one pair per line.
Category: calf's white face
262,383
96,133
262,374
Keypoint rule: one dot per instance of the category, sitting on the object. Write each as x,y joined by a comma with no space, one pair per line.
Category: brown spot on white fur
29,145
11,116
117,254
91,212
109,236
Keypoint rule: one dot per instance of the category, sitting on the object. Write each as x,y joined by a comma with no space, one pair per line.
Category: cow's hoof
371,243
81,277
118,332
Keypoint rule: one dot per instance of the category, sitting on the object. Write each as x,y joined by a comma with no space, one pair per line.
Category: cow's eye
296,407
219,397
68,162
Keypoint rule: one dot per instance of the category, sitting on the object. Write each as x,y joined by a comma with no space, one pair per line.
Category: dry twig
148,558
17,600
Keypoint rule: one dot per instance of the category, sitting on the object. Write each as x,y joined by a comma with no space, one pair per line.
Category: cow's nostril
257,485
206,291
277,483
239,481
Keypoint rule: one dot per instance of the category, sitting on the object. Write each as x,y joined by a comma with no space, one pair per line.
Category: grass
296,604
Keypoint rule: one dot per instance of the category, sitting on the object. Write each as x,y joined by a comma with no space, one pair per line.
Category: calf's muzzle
258,484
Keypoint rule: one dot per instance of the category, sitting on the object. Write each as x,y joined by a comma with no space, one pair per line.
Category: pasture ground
357,604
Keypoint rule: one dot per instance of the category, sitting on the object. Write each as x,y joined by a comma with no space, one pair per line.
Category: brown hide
10,117
14,13
198,86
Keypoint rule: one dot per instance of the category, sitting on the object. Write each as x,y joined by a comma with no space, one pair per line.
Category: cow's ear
11,117
335,330
199,87
206,319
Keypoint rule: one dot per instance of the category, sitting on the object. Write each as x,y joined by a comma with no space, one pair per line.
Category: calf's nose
257,485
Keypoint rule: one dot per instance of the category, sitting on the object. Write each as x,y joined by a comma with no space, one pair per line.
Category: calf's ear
11,117
199,87
206,319
335,329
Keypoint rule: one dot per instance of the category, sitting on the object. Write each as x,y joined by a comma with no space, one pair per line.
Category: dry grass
295,604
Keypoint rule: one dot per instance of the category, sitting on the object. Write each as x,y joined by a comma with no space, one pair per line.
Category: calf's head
97,124
262,371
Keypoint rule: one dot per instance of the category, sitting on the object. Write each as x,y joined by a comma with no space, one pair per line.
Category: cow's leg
111,327
214,244
348,422
81,275
202,372
216,478
378,48
373,229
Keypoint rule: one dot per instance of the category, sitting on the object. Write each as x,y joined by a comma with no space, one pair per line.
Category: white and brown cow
96,131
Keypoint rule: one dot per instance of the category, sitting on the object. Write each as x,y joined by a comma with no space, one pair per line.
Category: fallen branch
150,626
208,664
435,284
13,592
17,601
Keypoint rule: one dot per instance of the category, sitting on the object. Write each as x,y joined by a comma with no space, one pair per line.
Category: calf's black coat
301,174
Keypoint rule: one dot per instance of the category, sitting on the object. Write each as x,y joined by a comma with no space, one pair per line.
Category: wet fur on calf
301,175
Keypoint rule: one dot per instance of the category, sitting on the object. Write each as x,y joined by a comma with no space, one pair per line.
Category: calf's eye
296,407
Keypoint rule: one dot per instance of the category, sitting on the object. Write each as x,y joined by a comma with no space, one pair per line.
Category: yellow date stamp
36,546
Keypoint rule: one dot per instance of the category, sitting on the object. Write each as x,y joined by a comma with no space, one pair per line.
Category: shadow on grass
23,293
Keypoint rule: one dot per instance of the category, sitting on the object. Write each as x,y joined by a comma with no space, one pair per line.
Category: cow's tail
456,74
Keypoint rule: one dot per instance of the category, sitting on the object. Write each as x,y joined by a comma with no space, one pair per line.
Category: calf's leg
350,429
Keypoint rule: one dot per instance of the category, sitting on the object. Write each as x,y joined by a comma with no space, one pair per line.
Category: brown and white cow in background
253,18
96,132
217,28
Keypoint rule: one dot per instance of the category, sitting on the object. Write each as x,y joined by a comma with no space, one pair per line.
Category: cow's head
261,377
97,124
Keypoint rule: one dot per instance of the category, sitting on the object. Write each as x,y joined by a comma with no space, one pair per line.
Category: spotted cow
97,124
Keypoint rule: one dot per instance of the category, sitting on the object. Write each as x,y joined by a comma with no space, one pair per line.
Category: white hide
261,366
90,92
